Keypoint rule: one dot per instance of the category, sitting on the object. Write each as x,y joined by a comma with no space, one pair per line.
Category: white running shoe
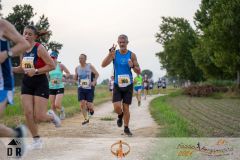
62,113
56,120
36,144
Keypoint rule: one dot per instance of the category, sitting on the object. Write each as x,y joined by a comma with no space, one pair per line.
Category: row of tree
211,51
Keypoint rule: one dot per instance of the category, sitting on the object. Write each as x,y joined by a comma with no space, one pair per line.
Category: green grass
173,123
13,115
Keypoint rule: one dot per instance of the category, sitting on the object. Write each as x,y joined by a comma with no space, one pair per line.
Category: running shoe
85,122
139,103
36,144
56,120
127,131
91,111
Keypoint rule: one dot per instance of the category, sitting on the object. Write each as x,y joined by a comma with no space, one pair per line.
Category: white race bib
123,80
85,83
27,63
55,81
145,84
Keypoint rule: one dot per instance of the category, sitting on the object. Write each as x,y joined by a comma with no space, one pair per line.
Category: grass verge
174,125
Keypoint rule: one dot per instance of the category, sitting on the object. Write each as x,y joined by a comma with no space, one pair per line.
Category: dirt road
93,141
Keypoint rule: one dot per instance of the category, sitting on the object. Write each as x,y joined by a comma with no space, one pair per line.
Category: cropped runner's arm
10,33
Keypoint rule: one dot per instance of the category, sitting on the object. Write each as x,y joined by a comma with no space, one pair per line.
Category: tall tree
178,39
218,22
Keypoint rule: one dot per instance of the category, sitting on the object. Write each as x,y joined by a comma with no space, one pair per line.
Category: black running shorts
56,91
122,94
36,86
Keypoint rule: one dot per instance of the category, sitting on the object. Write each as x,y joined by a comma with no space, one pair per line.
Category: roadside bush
203,90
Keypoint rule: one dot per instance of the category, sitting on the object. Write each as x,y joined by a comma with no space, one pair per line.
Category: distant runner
138,86
159,85
83,74
56,86
146,86
111,84
151,86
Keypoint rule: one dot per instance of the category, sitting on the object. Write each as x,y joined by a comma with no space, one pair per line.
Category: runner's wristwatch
36,71
10,53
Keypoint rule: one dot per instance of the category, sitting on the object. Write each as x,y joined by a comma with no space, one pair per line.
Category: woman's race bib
27,63
85,83
123,80
55,82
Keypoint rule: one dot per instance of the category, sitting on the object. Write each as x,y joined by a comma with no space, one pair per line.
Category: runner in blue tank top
123,62
8,32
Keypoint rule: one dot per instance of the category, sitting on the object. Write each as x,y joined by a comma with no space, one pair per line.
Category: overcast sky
92,26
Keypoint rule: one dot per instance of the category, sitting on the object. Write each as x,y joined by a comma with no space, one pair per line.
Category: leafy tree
178,39
54,46
218,22
148,72
21,16
105,82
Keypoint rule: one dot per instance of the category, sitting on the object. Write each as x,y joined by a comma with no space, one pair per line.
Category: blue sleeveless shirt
122,72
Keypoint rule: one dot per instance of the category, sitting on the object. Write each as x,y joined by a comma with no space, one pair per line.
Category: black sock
36,137
120,115
125,127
